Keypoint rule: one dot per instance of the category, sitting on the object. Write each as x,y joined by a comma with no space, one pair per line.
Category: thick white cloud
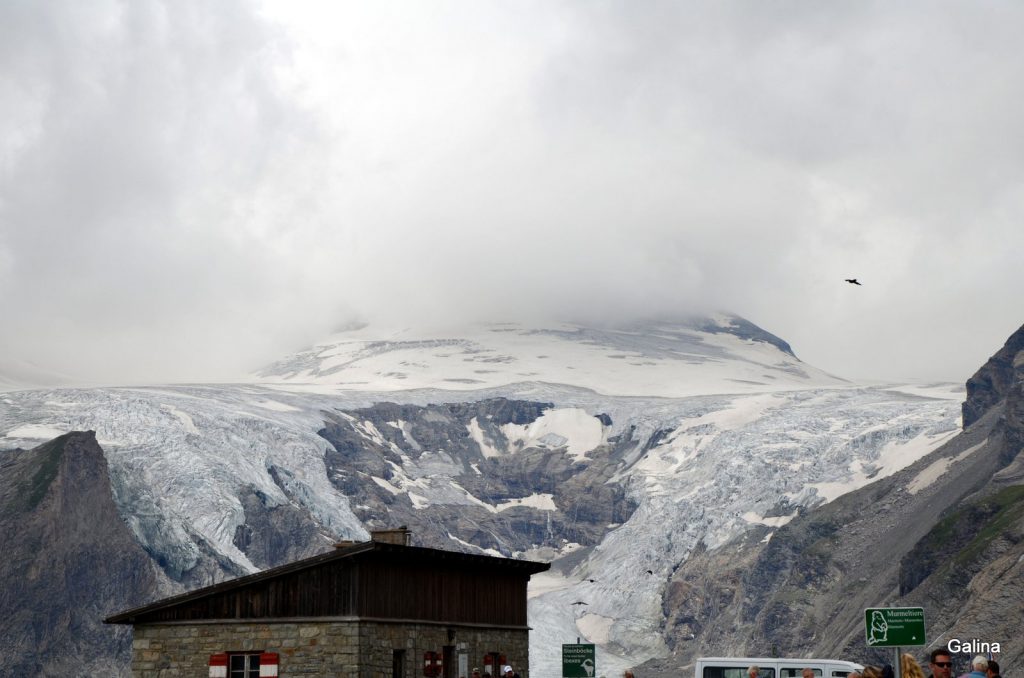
189,188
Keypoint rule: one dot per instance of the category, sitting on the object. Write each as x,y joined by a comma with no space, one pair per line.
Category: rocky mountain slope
69,560
620,491
990,385
946,534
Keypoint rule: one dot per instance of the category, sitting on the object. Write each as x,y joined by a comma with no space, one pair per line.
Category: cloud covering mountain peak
720,353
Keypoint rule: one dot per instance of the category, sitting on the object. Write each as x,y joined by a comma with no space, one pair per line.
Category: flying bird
579,602
852,281
650,571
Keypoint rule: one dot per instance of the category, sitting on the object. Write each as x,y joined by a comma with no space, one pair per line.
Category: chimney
401,536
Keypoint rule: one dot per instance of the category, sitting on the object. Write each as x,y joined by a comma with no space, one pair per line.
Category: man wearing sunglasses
941,663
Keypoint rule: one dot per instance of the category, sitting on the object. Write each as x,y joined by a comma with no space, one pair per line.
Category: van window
790,672
735,672
839,674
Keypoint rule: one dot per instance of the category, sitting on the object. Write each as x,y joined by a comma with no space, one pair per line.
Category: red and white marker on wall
268,665
219,665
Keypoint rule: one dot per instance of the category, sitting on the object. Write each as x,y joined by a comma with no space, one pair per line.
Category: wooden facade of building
372,609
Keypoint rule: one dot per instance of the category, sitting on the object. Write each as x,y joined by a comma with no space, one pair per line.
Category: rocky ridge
946,533
73,559
437,459
990,385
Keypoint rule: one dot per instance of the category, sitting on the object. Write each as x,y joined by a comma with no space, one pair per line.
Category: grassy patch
954,545
48,458
791,597
1003,509
944,531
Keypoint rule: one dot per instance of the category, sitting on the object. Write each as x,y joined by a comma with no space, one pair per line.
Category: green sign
894,626
578,661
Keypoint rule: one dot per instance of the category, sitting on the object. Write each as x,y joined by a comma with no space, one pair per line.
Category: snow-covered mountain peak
668,358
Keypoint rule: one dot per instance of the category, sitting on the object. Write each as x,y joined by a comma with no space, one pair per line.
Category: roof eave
527,567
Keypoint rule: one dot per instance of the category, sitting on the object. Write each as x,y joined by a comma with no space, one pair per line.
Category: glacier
770,437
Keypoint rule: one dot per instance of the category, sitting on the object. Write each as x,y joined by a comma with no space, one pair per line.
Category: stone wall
342,649
379,640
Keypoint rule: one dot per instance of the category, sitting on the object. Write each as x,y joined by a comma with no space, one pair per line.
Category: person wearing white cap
507,672
978,665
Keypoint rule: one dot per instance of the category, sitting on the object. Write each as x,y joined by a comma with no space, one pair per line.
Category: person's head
807,673
993,668
909,668
628,673
476,673
509,672
941,663
872,672
979,663
753,670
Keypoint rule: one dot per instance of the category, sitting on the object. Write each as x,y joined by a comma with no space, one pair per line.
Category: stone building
373,609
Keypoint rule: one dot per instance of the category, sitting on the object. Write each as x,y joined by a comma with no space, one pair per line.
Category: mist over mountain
524,216
19,375
690,356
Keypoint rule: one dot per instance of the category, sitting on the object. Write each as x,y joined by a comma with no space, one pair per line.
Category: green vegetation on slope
1002,510
41,466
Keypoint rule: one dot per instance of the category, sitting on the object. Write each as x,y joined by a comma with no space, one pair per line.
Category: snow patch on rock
572,428
937,468
487,447
541,502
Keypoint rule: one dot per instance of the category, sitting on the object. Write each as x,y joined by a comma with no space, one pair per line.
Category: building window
244,665
398,664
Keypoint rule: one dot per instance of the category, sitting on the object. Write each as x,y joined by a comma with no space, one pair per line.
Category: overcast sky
190,189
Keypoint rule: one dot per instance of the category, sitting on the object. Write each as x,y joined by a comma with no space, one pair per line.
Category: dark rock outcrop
74,559
437,442
744,329
990,384
1013,418
276,534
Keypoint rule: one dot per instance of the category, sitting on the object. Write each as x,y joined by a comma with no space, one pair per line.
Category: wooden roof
373,553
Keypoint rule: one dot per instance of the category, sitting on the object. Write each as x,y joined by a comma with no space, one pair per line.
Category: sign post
578,660
894,627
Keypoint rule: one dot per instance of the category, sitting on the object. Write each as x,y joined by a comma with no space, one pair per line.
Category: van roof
775,660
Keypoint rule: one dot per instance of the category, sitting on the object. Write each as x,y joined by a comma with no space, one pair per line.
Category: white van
736,667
